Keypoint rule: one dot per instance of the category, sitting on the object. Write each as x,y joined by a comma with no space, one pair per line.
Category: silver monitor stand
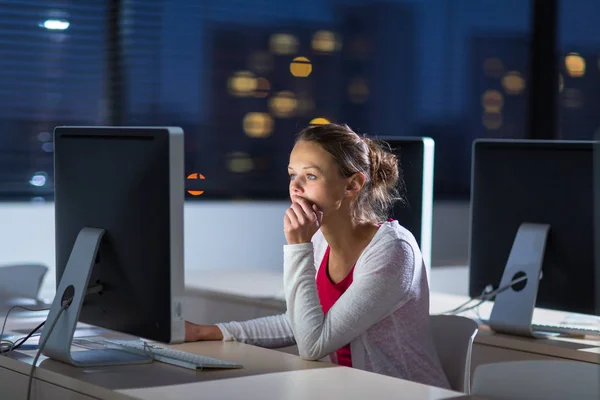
513,308
73,289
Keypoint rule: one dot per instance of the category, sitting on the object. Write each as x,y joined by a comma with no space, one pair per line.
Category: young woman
355,283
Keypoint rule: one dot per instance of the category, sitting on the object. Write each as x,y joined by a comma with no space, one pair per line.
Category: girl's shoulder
392,232
392,246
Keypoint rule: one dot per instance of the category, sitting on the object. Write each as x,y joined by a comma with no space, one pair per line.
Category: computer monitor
415,161
548,183
119,194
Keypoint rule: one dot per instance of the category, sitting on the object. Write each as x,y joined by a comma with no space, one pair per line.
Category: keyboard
567,329
169,356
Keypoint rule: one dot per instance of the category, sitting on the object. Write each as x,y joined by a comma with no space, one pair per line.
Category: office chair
529,380
453,338
21,280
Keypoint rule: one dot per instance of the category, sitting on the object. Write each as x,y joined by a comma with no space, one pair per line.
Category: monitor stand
513,308
71,292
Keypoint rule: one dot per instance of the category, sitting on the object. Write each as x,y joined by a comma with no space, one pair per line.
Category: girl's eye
311,176
292,176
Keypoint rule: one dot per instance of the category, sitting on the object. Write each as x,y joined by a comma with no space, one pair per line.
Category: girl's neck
345,237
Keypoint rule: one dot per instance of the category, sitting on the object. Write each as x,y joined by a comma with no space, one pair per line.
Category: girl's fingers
291,215
299,213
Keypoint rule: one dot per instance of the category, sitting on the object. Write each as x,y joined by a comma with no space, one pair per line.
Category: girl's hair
353,153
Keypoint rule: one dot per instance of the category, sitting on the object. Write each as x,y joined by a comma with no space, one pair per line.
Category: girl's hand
302,220
194,333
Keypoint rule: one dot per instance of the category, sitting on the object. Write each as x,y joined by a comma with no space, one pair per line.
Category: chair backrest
22,280
453,337
534,379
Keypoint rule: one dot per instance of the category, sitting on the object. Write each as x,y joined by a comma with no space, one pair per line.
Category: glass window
244,77
578,41
53,63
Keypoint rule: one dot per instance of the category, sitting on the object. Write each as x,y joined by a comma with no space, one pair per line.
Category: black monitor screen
548,182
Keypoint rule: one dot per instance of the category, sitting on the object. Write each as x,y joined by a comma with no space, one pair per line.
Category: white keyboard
169,356
566,329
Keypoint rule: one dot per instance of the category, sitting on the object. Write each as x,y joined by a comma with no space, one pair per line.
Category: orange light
195,176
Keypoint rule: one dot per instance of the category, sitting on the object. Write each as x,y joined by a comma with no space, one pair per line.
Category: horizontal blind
141,31
52,72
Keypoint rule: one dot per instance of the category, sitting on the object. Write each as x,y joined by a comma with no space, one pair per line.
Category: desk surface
267,374
290,375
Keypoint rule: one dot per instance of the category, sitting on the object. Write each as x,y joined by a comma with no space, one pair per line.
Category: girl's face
315,177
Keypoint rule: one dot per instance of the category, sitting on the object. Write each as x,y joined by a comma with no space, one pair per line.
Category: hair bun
384,165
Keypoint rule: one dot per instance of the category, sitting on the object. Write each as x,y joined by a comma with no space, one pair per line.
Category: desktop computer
415,162
532,221
119,194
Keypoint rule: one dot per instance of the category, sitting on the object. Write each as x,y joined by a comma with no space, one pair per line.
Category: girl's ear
355,184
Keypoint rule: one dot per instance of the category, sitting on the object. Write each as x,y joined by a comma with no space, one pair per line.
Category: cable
41,346
20,341
483,297
10,343
30,334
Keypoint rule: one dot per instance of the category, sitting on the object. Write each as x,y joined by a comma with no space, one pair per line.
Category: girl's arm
272,331
380,286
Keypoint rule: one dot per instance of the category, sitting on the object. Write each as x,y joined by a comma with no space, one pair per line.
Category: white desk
267,374
329,383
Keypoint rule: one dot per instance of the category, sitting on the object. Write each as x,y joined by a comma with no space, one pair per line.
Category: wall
217,234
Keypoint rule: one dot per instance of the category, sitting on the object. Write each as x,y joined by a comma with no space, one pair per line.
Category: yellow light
358,91
492,101
283,43
283,104
492,121
242,83
319,121
300,67
493,67
239,162
324,42
513,82
258,125
262,88
573,98
575,65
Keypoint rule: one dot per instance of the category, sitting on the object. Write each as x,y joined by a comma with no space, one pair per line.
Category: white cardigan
384,314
